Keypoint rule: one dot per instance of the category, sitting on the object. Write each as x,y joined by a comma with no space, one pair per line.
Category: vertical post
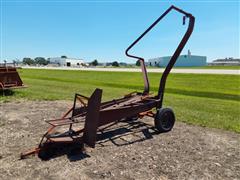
92,118
73,111
145,76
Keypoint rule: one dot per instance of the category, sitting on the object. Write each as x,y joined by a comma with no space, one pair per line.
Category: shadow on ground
6,92
114,134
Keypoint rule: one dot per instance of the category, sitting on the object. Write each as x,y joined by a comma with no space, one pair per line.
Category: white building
69,62
225,62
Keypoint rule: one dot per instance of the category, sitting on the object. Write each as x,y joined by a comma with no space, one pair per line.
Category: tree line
37,60
43,61
96,63
114,63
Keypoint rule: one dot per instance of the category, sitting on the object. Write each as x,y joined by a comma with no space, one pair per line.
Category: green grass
202,99
211,67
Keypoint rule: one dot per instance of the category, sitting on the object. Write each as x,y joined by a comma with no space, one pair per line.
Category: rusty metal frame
96,114
173,58
9,78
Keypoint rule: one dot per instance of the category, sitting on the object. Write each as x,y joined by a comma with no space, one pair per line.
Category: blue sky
103,29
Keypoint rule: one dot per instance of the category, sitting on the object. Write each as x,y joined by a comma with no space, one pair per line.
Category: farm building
225,62
182,61
64,61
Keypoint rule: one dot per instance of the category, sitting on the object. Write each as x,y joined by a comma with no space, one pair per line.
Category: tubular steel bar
173,58
95,113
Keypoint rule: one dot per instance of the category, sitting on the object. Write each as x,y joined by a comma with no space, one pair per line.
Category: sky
102,30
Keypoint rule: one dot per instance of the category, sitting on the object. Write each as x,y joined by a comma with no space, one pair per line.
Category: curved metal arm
173,58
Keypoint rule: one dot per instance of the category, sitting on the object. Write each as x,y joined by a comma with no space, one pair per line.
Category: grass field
206,100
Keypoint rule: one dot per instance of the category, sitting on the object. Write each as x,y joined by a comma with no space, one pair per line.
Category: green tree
64,57
138,63
115,63
28,61
41,61
94,63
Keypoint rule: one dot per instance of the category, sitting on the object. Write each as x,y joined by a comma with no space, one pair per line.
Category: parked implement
80,124
9,77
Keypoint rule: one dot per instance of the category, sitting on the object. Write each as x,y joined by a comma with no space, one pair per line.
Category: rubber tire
164,120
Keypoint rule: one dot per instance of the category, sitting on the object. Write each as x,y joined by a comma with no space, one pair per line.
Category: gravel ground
124,151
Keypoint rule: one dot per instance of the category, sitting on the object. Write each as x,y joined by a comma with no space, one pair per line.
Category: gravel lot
124,151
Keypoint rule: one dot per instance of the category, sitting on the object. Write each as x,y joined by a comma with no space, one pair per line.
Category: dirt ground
125,151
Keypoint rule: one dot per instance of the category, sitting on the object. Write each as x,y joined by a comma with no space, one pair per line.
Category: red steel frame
9,77
96,113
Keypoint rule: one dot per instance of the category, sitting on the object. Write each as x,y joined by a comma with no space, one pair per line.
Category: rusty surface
92,118
9,78
94,114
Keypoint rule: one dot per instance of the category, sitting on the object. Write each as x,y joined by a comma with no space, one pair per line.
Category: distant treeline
37,60
44,61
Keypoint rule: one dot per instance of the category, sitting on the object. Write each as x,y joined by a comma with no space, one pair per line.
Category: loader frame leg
92,118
